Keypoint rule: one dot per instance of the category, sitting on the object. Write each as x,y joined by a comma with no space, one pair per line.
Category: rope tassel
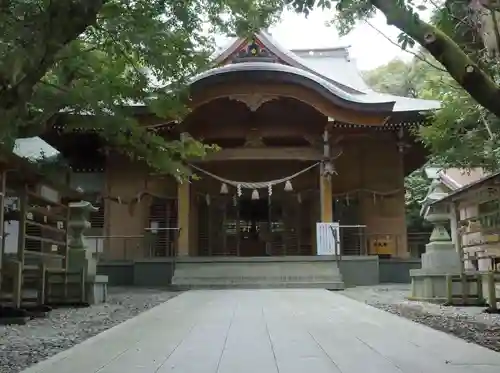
255,194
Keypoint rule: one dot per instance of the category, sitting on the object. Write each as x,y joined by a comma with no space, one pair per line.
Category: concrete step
257,273
298,285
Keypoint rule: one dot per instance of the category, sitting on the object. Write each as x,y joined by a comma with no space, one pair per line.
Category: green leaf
95,60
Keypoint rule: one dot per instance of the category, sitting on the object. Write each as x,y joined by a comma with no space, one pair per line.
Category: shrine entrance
254,226
276,226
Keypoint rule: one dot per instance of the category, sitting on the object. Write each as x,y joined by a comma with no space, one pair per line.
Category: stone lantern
79,255
77,225
440,259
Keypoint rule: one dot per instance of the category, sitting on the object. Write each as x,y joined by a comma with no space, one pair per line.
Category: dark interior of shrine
254,210
81,150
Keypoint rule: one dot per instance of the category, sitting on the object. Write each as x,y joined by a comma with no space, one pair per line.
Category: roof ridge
287,55
322,49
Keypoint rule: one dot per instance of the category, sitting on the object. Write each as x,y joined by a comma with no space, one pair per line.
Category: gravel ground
25,345
468,323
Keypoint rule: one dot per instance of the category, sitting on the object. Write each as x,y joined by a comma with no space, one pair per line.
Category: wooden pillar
457,237
325,184
193,224
2,223
326,198
183,205
454,219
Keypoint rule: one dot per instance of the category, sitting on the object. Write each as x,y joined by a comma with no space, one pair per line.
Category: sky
367,46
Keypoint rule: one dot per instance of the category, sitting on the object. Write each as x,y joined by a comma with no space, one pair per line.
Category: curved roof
290,74
335,64
330,67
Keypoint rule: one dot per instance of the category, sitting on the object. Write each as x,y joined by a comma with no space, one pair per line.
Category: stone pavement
270,331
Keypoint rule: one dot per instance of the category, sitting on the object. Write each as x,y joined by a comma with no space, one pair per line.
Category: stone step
289,285
248,273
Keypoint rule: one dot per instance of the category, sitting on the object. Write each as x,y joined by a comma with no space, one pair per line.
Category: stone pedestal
439,279
440,255
80,257
430,283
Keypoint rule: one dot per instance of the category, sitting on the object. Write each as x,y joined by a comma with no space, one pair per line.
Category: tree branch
467,73
52,29
416,55
493,15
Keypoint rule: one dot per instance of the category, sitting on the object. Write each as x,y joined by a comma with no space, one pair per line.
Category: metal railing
117,247
352,239
134,247
336,243
162,246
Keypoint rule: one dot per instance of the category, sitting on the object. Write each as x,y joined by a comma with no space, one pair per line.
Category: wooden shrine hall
302,140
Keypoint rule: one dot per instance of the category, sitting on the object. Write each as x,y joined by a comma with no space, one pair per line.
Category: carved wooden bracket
253,101
254,139
336,149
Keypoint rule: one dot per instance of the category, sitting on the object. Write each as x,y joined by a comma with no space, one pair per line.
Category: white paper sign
327,239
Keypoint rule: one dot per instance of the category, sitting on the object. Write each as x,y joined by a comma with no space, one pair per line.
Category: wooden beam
226,128
305,95
264,153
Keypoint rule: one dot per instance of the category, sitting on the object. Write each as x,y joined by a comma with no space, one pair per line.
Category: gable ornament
253,100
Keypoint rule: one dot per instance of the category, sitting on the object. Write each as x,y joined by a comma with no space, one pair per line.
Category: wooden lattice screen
221,228
163,224
97,218
347,213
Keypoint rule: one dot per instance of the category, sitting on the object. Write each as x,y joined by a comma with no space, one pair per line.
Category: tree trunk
44,35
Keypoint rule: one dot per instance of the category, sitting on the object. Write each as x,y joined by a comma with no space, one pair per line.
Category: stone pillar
183,206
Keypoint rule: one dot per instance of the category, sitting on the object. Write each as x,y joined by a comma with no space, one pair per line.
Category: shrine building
303,140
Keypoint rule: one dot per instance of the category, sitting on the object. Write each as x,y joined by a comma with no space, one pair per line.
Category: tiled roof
458,178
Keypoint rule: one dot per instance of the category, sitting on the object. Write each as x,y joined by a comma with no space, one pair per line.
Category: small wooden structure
35,210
